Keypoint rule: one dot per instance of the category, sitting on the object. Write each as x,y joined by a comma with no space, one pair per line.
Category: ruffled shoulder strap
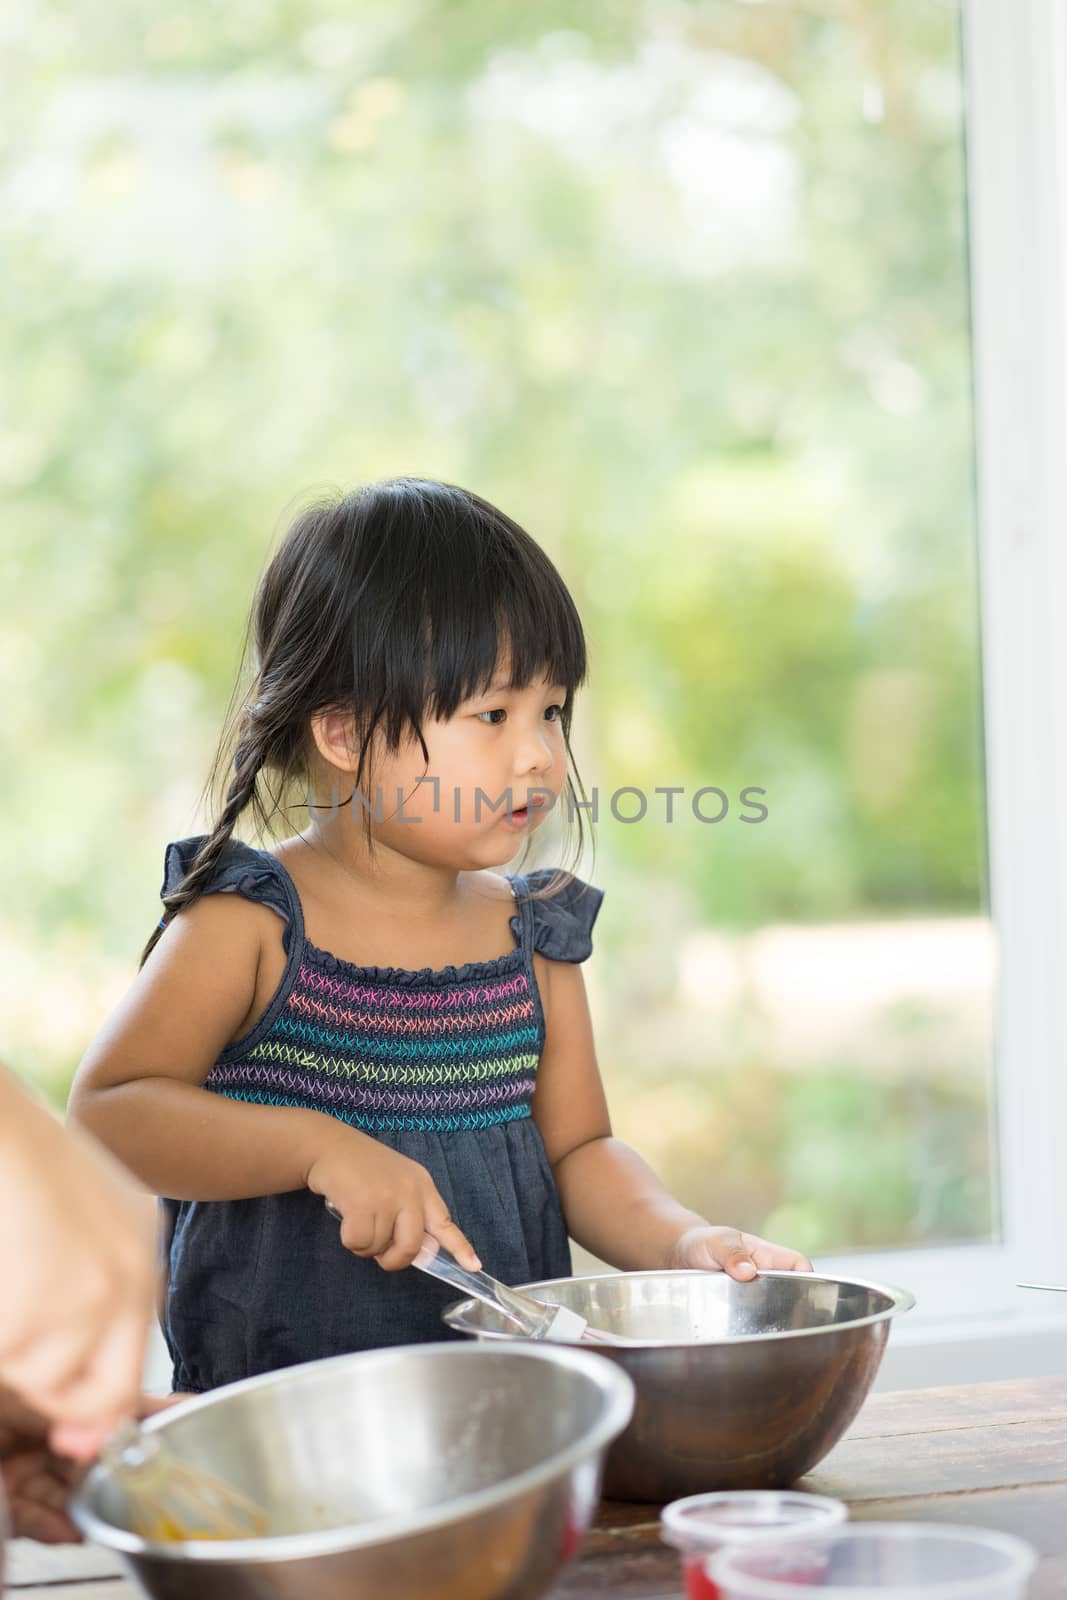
562,924
255,874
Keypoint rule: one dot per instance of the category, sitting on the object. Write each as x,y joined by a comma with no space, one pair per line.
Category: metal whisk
533,1318
170,1502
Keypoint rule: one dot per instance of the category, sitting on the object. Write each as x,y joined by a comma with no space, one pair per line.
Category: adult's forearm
191,1144
19,1112
16,1109
616,1206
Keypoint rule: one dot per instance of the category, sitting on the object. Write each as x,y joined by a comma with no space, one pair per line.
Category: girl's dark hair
392,602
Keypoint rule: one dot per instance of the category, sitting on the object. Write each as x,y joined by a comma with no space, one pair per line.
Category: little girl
369,1014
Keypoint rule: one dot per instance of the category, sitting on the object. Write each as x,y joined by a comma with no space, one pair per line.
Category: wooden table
992,1454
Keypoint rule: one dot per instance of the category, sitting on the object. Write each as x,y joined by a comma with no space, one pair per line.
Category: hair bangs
495,610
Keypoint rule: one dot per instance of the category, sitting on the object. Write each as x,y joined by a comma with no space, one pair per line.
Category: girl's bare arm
139,1086
140,1090
613,1202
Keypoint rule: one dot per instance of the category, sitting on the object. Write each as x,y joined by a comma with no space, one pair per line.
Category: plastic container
701,1524
880,1561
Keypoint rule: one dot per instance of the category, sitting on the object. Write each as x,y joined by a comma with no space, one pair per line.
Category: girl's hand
77,1261
386,1201
37,1479
742,1255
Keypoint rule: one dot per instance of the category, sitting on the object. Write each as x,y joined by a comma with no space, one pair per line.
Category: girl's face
500,753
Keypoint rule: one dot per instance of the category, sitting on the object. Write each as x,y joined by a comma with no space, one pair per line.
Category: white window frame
971,1321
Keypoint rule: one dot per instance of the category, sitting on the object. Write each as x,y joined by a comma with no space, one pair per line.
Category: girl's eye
499,711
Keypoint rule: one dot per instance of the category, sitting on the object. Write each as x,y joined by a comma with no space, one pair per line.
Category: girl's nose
533,760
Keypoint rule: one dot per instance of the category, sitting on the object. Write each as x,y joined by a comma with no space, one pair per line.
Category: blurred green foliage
683,286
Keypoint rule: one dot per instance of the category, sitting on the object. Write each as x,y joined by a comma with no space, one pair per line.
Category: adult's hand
36,1479
78,1266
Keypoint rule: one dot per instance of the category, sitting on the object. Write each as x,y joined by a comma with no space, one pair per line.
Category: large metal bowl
739,1385
441,1471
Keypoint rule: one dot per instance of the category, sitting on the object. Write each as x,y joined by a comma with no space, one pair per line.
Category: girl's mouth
525,813
522,815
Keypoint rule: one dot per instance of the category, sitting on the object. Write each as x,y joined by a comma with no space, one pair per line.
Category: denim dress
437,1064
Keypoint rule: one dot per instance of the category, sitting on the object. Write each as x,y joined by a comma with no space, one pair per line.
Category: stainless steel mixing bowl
739,1385
442,1471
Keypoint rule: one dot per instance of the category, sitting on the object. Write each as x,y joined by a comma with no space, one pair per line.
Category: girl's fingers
366,1235
444,1230
777,1258
797,1263
730,1252
405,1243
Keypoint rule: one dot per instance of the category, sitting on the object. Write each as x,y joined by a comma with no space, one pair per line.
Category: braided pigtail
248,761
